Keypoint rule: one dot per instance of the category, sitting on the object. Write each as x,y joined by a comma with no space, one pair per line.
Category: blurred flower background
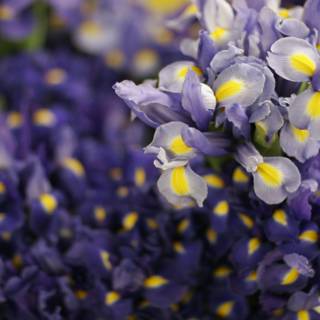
90,228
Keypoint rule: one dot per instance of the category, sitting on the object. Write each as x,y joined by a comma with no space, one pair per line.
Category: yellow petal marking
55,76
112,297
280,217
182,73
81,294
303,315
14,119
130,220
247,221
300,135
239,176
284,13
229,89
163,6
74,165
222,272
115,58
178,247
302,63
214,181
252,276
309,236
48,202
290,277
183,225
105,257
218,33
44,117
313,106
2,187
179,181
221,209
225,309
100,214
139,177
155,282
270,175
212,235
253,245
178,146
6,13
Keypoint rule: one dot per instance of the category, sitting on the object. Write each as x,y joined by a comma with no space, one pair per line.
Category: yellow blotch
14,119
309,236
229,89
100,214
163,36
284,13
290,277
179,181
139,177
303,315
178,247
303,64
222,272
111,298
270,175
116,174
218,33
2,187
300,135
280,217
17,261
152,224
178,146
122,192
155,282
182,73
163,6
246,220
278,312
183,225
252,276
48,202
239,176
130,220
115,58
105,257
214,181
313,106
74,165
253,245
55,76
192,9
44,117
225,309
81,294
6,12
91,28
318,46
221,209
212,235
145,59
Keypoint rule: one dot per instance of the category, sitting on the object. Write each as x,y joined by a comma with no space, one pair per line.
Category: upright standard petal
293,59
182,187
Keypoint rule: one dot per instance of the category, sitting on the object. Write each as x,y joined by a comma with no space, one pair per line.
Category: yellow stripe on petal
163,6
214,181
229,89
222,272
130,220
253,245
280,217
221,209
212,235
303,315
300,135
309,236
179,181
302,63
44,117
48,202
270,175
239,176
252,276
225,309
313,106
246,220
182,73
218,33
112,297
183,225
139,177
284,13
290,277
74,165
178,146
155,282
105,257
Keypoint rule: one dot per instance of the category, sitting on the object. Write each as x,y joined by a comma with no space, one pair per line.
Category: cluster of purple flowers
237,140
